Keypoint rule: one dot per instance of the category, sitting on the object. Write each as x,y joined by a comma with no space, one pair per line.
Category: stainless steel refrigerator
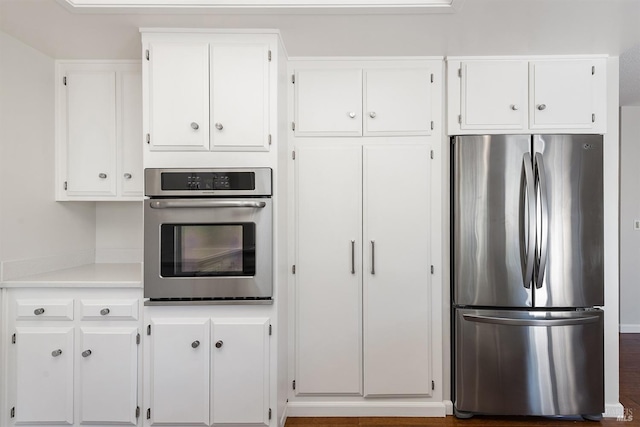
527,275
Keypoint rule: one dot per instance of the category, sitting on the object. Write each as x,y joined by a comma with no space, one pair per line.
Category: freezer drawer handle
206,204
572,321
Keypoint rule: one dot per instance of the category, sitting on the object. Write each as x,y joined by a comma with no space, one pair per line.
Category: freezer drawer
529,363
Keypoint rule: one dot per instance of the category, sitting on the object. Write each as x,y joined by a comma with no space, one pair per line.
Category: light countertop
85,276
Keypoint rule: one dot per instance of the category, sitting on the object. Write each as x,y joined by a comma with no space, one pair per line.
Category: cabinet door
240,372
397,285
179,390
240,97
328,102
91,132
493,95
563,94
328,269
108,375
397,102
131,133
44,375
179,96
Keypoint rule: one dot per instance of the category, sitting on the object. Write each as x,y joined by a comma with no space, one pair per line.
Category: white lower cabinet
44,373
363,280
205,371
66,370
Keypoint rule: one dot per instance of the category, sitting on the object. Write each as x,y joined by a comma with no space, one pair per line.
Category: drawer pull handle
56,353
105,311
86,353
38,311
195,344
219,344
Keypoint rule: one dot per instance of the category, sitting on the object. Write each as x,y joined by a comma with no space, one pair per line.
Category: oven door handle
171,204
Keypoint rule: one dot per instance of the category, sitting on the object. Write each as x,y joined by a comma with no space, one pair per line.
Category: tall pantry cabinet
366,313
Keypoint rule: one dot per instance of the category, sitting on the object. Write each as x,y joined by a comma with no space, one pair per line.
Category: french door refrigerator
527,275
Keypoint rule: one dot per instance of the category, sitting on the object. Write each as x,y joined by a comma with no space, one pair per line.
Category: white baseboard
366,409
283,418
16,269
629,328
448,405
613,410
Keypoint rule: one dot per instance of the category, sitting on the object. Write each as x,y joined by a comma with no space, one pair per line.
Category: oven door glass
197,250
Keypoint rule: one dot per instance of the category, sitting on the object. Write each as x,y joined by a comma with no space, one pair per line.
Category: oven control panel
202,182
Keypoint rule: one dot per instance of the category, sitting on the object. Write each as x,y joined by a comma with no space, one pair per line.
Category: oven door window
196,250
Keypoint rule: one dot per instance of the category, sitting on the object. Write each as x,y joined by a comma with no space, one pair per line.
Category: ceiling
478,27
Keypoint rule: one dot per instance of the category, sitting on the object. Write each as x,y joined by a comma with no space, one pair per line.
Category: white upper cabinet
567,94
208,92
328,102
179,96
397,101
99,131
240,97
353,99
494,95
525,95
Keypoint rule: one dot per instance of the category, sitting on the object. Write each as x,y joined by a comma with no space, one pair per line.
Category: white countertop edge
84,276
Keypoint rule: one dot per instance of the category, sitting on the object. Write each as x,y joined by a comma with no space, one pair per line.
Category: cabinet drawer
51,309
109,309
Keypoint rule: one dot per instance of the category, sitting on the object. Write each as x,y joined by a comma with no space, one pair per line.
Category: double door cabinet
73,357
207,371
519,95
99,130
370,101
208,94
363,273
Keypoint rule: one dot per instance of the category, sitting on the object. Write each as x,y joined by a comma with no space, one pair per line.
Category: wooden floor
629,397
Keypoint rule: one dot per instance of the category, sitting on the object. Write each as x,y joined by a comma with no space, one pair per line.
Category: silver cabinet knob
372,114
514,107
542,107
105,311
195,344
38,311
127,176
86,353
56,353
219,344
219,126
352,114
195,126
102,175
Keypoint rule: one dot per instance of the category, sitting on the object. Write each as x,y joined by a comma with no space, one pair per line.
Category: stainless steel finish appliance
208,236
527,274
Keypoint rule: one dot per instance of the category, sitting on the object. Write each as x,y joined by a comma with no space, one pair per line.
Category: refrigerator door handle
543,232
579,319
527,260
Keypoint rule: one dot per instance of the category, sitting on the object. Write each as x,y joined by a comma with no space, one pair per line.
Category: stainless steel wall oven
208,235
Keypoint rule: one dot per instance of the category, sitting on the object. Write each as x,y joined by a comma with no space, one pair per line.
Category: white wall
118,232
36,233
629,211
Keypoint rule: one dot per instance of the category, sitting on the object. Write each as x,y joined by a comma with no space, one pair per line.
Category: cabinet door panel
91,132
240,97
397,280
397,102
562,94
328,269
44,368
240,372
328,102
179,391
179,96
494,95
108,375
131,133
